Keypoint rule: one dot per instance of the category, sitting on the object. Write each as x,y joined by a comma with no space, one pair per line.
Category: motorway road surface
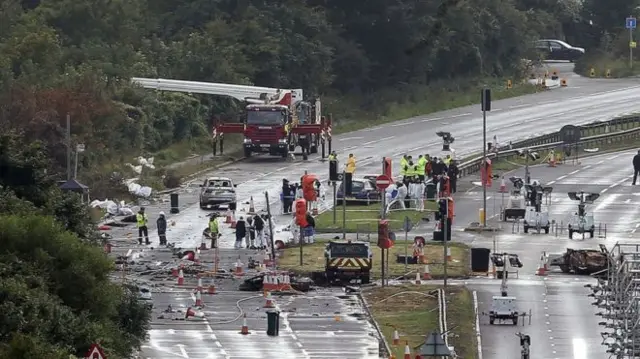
563,322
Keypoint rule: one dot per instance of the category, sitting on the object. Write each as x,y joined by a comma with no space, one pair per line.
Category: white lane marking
460,115
350,138
496,109
601,162
585,167
628,201
432,119
378,140
403,124
561,178
183,351
518,106
574,172
635,229
552,182
604,190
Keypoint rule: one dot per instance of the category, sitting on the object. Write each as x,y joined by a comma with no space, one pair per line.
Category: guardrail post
605,230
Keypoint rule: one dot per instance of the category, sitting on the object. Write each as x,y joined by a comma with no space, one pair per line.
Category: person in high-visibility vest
351,164
422,166
214,231
403,165
333,156
141,222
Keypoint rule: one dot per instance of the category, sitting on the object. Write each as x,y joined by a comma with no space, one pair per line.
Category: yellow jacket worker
351,164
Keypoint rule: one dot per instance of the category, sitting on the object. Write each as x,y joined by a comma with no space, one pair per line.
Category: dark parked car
363,191
558,50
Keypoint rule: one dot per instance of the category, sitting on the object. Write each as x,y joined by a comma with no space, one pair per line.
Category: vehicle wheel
565,268
591,233
515,320
247,152
546,230
499,274
570,234
526,229
365,279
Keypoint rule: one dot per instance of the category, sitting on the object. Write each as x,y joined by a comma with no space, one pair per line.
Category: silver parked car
218,192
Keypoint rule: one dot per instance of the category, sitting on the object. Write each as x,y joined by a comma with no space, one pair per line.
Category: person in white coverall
402,195
418,195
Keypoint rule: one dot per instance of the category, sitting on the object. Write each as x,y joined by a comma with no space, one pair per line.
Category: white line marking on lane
432,119
350,138
403,124
378,140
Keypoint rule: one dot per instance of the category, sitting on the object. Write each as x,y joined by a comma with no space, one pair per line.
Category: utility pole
486,106
445,233
273,247
68,140
344,205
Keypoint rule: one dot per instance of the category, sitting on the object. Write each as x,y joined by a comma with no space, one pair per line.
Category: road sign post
406,225
631,23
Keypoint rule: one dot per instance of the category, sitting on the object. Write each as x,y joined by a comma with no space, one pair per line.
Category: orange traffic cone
396,338
233,223
196,256
426,275
449,255
407,351
190,313
541,270
229,218
180,277
552,159
245,328
269,303
198,299
199,287
503,186
238,270
211,289
252,208
418,281
174,272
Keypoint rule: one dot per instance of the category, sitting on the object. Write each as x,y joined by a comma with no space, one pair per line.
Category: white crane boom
251,94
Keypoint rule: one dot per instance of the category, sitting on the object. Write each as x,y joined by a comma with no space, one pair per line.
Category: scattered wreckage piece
581,261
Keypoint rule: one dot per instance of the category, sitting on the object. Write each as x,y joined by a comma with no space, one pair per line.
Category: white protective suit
417,195
402,194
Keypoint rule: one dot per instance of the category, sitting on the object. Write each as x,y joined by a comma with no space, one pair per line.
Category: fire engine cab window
265,118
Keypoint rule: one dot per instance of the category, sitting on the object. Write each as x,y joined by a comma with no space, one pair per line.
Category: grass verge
365,218
313,259
414,314
603,65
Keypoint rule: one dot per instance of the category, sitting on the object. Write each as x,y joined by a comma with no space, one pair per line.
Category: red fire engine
276,122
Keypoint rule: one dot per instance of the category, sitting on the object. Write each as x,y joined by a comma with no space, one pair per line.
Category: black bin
175,206
480,259
273,323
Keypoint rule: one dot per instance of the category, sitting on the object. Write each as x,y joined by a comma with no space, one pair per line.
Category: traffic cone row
252,208
199,287
196,256
418,281
542,267
181,277
449,258
552,159
198,298
245,328
396,338
211,289
407,351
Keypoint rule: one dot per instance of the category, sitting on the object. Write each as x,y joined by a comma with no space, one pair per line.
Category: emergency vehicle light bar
239,92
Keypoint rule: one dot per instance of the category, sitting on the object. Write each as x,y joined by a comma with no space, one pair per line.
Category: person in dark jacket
241,232
161,223
309,230
636,167
287,196
258,224
453,176
250,237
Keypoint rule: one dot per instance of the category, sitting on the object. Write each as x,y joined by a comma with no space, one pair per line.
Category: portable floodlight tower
582,222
